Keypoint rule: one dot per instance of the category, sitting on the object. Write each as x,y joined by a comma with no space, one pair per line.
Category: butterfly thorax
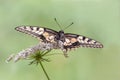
60,36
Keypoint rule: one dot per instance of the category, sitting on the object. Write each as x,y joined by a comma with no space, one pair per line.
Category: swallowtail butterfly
64,41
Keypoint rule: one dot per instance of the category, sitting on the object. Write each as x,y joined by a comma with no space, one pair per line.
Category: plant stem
44,70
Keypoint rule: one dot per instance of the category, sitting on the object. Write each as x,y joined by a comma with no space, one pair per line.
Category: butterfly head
61,32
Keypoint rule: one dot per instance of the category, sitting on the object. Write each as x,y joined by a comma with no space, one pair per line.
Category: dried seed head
24,54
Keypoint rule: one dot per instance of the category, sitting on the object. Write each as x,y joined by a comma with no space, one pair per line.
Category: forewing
74,41
44,34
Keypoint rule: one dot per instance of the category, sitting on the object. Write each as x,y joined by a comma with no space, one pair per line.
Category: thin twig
46,52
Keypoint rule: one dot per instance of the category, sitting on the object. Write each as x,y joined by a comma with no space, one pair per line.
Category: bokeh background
98,19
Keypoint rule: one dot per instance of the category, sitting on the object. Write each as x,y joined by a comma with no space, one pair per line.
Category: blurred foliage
98,19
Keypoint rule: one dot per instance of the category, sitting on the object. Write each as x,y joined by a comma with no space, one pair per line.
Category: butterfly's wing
43,34
74,41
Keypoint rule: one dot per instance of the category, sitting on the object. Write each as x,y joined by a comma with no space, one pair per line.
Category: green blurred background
98,19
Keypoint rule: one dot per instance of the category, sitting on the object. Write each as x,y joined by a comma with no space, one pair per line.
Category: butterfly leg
65,53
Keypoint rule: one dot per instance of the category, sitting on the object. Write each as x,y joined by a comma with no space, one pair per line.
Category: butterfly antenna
58,23
68,26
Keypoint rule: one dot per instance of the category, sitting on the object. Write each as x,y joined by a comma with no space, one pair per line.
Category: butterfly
65,41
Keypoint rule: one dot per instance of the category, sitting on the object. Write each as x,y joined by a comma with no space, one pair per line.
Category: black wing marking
74,41
44,34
